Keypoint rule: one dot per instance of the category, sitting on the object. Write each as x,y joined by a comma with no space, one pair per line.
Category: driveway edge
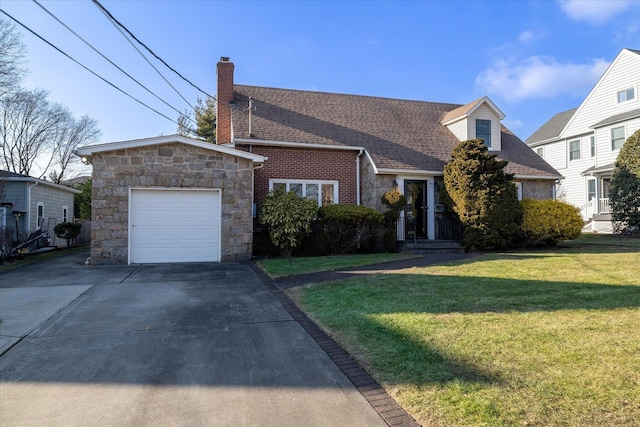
392,413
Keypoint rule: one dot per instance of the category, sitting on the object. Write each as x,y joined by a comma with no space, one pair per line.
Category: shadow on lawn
408,354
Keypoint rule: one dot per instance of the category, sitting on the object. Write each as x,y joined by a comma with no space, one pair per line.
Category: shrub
483,195
624,196
395,201
289,219
348,228
549,221
68,231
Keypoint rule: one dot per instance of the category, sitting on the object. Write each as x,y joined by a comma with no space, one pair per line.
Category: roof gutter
358,176
248,141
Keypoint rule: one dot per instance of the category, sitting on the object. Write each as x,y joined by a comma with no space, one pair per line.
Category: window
626,95
323,192
593,146
65,214
519,189
591,189
617,138
574,149
483,131
3,217
540,151
40,216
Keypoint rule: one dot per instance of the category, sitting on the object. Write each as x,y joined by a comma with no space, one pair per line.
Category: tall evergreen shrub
624,195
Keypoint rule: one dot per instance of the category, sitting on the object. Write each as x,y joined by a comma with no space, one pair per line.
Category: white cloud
594,11
526,36
539,77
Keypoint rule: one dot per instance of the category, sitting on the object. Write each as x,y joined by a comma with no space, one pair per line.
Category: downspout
358,175
28,224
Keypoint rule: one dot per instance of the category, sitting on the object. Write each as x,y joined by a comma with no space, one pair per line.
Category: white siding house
583,143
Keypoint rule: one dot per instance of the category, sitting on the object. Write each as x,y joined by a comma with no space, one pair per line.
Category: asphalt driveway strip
171,344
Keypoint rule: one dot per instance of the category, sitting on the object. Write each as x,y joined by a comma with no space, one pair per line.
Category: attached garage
174,225
171,199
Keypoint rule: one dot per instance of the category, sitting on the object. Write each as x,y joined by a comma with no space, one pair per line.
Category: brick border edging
392,413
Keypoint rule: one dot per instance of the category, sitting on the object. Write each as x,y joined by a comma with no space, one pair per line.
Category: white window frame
65,214
595,189
487,143
624,137
626,95
3,217
304,183
540,151
39,218
518,189
592,146
579,151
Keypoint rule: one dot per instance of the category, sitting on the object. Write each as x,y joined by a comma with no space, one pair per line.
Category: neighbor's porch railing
400,228
604,206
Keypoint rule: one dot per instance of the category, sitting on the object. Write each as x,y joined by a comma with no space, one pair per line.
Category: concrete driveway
182,344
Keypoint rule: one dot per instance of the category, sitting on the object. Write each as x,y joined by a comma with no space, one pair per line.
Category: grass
30,259
528,338
282,267
604,240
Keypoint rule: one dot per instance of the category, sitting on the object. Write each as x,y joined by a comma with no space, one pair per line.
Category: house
583,143
339,148
174,198
29,204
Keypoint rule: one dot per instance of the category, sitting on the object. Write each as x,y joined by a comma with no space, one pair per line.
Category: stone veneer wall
374,186
170,166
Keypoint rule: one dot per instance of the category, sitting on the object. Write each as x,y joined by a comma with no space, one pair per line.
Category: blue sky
532,58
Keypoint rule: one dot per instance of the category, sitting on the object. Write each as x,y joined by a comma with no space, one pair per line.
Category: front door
416,209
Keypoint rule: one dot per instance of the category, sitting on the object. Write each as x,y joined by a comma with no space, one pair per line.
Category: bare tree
78,133
11,57
32,130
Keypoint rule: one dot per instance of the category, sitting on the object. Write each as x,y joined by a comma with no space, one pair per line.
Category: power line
146,59
86,68
110,61
106,12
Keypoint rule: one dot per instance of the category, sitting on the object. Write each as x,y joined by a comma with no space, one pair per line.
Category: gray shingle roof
552,128
397,134
618,118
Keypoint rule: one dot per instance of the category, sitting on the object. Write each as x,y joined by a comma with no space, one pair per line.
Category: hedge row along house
583,143
173,198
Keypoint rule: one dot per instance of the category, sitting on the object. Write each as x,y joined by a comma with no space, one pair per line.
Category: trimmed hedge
549,221
348,228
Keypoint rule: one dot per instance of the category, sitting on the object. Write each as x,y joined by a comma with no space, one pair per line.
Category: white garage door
174,226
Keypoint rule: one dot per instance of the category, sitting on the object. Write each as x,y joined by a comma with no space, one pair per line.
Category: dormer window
483,131
626,95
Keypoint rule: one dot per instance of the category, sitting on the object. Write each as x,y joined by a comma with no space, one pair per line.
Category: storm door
416,209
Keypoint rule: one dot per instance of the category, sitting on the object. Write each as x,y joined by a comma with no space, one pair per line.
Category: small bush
549,221
68,231
289,219
348,228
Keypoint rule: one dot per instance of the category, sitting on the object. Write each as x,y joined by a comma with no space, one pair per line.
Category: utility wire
146,59
110,61
86,68
113,19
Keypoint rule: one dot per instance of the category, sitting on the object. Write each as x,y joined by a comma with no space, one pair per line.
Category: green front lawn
547,337
282,267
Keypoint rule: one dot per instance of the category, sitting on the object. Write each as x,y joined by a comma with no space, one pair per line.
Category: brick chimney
224,72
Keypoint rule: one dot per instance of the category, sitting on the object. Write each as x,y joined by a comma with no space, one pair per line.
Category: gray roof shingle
618,118
397,134
552,128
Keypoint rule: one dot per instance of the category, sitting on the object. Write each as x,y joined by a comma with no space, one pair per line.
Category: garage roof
90,150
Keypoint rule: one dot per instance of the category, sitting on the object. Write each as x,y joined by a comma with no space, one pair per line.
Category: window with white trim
591,189
592,141
626,95
617,138
540,151
323,192
574,149
3,217
483,131
40,215
519,189
65,214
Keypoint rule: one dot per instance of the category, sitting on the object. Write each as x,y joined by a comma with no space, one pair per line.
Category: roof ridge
455,105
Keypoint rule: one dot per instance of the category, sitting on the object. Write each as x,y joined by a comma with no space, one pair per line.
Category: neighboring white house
583,143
